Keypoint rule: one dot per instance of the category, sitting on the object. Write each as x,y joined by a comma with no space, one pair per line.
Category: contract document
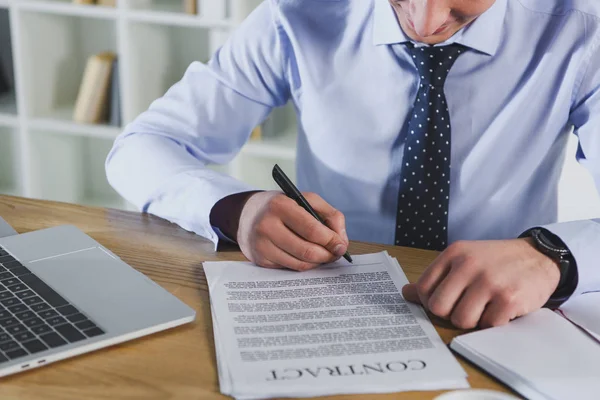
341,328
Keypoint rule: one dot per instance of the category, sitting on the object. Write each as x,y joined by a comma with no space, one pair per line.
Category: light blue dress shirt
531,76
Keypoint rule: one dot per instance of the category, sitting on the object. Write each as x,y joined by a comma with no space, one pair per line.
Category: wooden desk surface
179,363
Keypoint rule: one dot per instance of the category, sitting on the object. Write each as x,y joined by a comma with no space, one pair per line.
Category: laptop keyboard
33,317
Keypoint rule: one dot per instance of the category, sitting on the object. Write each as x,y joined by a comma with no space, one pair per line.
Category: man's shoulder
563,7
319,6
324,15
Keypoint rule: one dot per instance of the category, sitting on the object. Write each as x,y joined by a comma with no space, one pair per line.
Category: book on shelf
6,58
107,3
4,88
114,115
190,6
92,101
256,133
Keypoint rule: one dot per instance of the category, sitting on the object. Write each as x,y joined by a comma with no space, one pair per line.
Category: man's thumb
409,292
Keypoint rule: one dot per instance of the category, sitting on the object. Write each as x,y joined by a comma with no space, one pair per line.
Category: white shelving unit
44,154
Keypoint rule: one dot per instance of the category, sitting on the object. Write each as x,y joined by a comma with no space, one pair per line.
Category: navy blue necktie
422,219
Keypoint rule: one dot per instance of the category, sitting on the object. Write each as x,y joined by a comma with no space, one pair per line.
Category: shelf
8,110
71,169
280,148
9,190
68,8
60,121
59,159
160,55
52,78
257,171
176,19
9,161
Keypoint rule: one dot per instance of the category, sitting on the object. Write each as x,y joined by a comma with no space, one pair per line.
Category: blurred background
74,72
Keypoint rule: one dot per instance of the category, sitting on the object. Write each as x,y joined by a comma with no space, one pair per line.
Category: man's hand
275,232
485,283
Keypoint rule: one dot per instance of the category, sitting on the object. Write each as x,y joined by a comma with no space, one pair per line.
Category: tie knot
434,63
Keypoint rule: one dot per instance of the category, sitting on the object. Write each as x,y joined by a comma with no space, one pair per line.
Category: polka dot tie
422,219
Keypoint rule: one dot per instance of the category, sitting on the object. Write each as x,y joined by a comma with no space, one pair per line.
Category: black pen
293,193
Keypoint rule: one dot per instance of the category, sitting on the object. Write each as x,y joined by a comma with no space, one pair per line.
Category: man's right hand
275,232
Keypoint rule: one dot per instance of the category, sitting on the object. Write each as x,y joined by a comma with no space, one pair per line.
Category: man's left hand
485,283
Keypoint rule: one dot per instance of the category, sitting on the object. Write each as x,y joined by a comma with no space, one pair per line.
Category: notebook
542,355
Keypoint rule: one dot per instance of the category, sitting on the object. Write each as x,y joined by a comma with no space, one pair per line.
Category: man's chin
431,40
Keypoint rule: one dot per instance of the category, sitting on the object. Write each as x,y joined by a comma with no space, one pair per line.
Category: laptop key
24,294
10,321
53,339
6,258
17,288
16,329
40,329
24,336
18,308
16,353
4,314
12,264
32,300
56,321
69,332
5,275
20,271
35,321
43,290
87,324
39,307
4,337
8,346
3,358
48,314
5,295
10,301
25,315
67,310
76,317
94,332
11,281
35,346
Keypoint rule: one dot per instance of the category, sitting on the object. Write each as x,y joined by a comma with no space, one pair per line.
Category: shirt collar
484,34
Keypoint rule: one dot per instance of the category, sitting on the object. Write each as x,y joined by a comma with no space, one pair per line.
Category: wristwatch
550,245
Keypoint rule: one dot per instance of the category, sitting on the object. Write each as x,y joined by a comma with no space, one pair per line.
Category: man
438,124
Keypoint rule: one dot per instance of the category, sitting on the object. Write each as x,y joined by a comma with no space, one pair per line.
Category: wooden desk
176,364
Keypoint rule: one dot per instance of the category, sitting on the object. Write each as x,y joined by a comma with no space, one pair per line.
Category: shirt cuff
223,236
189,198
582,238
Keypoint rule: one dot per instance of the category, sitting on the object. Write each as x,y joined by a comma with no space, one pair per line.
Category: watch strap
551,245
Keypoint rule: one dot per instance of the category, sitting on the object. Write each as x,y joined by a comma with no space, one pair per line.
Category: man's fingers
274,257
410,293
302,250
497,313
307,227
332,217
431,278
445,296
470,307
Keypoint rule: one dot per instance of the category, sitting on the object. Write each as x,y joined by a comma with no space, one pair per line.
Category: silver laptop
63,294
